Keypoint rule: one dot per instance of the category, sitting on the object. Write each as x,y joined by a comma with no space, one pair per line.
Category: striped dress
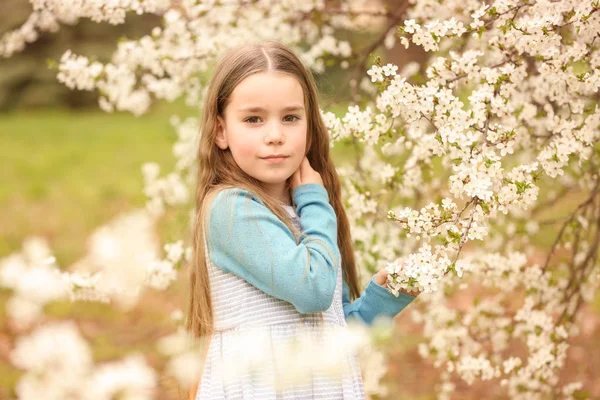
240,310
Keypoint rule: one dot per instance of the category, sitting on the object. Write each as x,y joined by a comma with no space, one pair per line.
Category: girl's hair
217,169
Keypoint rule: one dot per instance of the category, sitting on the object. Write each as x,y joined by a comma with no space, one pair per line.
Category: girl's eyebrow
258,109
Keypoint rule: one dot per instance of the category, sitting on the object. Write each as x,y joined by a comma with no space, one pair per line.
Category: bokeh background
68,168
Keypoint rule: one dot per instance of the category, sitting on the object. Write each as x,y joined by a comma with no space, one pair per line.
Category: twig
360,66
463,239
564,226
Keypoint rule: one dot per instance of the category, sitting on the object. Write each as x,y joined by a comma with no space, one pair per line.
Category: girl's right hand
305,174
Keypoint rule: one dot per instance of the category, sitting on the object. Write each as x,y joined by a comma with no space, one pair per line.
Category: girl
271,233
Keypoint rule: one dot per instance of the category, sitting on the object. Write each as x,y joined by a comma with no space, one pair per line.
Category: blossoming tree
458,160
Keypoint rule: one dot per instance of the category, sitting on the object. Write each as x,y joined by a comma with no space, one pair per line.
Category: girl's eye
293,116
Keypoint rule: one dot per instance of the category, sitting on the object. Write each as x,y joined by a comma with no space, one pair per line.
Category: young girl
271,232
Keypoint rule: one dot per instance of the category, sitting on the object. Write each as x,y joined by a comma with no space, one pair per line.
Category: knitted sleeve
246,239
375,301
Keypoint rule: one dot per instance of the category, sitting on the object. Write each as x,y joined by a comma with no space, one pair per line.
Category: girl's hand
305,174
380,277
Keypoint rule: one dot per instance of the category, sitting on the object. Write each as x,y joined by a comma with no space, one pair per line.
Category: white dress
240,308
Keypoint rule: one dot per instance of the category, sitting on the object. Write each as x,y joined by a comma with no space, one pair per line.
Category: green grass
65,173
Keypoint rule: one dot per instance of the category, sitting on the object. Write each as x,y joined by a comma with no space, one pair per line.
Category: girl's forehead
273,90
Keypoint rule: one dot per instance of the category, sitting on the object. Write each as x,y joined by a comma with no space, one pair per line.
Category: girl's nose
274,134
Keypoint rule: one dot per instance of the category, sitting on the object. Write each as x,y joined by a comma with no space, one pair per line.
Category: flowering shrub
499,124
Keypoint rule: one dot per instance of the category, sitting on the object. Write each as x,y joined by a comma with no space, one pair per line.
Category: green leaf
485,206
454,236
521,186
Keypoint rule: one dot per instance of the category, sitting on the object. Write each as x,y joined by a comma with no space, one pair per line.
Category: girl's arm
375,301
248,240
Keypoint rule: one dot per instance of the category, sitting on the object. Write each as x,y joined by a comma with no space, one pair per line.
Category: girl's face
265,117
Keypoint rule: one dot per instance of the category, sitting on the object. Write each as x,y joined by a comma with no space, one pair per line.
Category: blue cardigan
246,239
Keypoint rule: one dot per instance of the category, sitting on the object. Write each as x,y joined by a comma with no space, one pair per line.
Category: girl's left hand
380,277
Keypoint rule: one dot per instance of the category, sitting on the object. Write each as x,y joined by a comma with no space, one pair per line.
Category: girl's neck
280,192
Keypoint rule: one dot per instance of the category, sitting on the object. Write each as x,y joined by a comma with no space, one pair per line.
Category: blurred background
68,168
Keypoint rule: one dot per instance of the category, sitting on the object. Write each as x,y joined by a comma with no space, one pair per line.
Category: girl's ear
221,134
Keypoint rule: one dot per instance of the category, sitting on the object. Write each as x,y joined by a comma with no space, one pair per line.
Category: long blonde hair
217,168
